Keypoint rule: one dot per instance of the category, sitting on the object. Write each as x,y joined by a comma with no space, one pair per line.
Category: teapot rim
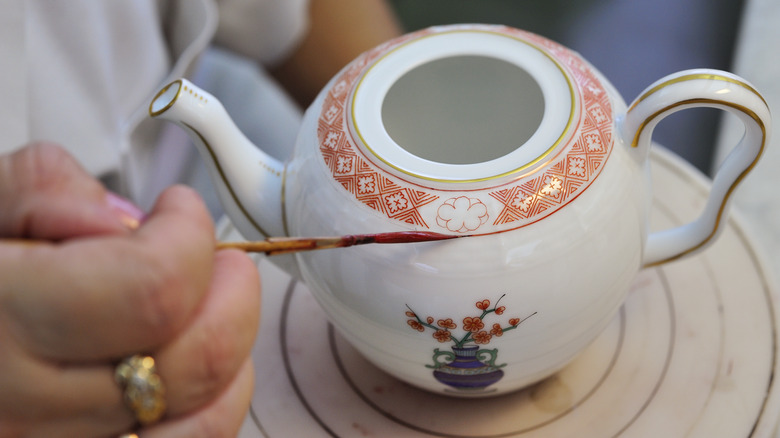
495,205
559,114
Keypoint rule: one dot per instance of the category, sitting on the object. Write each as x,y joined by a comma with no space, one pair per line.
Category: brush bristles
282,245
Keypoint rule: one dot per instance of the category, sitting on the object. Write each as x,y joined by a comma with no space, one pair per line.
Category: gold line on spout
222,176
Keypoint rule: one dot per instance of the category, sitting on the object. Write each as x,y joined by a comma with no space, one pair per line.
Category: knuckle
160,300
210,426
42,165
172,284
217,364
37,180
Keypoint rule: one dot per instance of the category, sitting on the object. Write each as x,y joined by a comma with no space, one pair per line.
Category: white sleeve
266,30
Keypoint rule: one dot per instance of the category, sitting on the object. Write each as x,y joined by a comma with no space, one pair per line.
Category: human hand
96,292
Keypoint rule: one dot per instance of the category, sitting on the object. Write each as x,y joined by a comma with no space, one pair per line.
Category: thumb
46,194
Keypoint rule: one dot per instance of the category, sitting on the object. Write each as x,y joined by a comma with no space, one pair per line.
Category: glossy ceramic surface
558,225
691,353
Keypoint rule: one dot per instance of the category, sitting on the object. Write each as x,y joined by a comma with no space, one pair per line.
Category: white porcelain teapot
476,130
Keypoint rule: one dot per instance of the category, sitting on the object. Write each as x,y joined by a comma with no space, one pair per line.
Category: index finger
106,296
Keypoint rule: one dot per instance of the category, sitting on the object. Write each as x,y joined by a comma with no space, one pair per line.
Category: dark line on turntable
770,307
721,345
378,409
256,420
286,358
334,349
748,245
669,351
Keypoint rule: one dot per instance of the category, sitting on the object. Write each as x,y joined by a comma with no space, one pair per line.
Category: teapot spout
249,182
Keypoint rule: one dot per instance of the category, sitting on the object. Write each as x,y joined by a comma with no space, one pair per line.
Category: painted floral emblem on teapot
467,366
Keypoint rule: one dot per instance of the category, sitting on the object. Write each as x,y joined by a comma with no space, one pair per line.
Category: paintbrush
283,245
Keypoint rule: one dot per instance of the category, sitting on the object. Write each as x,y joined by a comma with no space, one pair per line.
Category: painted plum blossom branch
473,326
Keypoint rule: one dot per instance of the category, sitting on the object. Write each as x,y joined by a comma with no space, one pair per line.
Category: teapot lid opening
463,109
465,106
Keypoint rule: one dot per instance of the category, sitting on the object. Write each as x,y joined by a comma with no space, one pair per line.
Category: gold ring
144,392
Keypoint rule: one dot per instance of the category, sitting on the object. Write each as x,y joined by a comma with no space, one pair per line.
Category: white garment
82,72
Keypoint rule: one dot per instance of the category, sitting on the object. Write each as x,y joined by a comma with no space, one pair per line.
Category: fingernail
130,215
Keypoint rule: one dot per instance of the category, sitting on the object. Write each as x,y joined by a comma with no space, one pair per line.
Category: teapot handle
691,89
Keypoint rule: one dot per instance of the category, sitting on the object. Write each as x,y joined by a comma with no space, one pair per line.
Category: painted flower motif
415,325
446,323
593,142
577,166
473,324
340,87
473,330
596,91
442,336
332,140
343,164
598,115
523,202
396,202
366,184
552,186
482,337
332,112
462,214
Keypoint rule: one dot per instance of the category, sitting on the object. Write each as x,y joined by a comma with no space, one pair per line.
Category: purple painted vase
467,368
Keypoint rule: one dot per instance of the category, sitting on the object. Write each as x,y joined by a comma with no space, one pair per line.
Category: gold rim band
691,77
535,161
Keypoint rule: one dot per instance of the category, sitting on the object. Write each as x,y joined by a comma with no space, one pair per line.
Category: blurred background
632,42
